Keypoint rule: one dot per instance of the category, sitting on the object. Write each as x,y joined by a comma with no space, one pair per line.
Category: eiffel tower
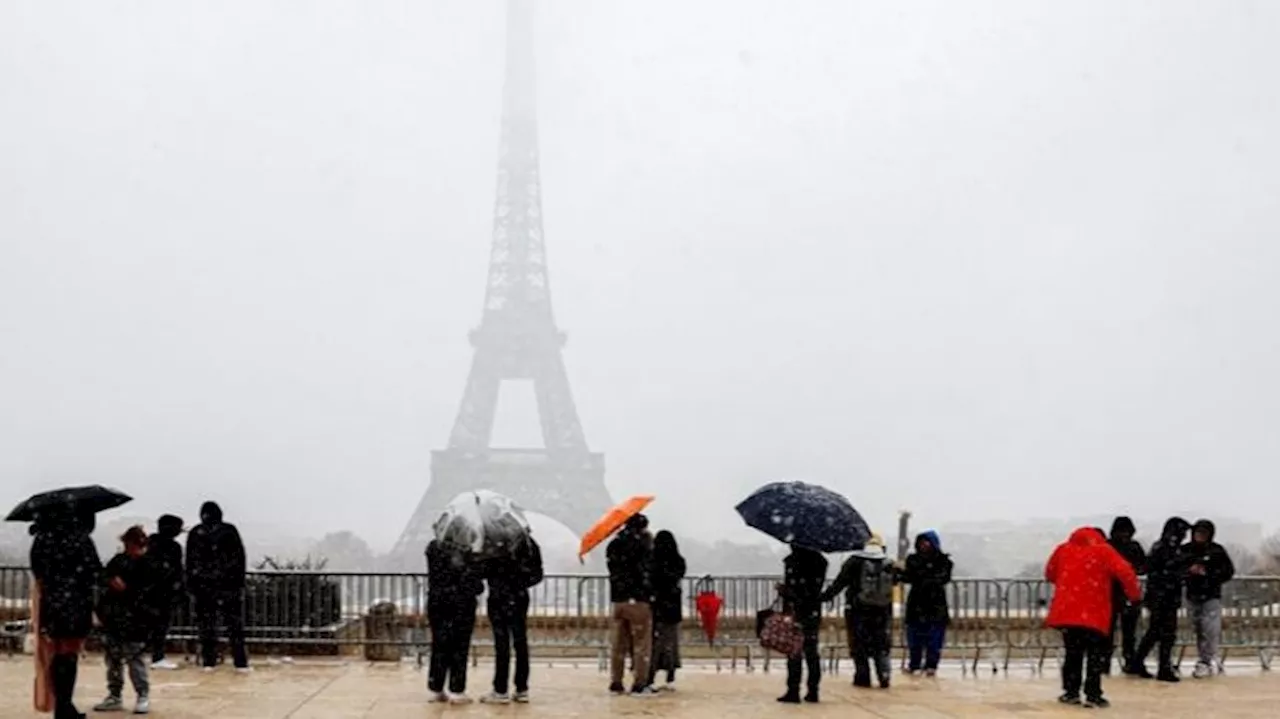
517,339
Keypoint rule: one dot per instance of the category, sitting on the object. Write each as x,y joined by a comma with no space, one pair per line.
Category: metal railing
318,612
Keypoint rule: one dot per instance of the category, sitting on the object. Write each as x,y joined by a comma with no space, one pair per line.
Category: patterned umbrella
92,499
806,515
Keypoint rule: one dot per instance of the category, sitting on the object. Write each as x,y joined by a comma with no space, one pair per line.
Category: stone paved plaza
358,689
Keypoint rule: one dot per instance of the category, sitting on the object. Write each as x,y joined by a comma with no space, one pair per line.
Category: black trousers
509,617
809,660
1162,629
1125,619
160,631
63,668
451,628
1085,660
227,608
868,632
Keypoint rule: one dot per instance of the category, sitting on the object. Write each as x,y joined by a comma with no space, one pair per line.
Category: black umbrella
93,498
806,515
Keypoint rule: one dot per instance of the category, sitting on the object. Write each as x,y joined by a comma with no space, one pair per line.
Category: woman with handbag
804,574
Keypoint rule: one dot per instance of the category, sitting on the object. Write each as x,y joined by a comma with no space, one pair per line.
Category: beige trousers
632,633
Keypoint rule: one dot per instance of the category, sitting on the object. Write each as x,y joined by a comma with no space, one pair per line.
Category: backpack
875,585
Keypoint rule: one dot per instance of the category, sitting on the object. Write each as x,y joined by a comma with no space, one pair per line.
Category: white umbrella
482,521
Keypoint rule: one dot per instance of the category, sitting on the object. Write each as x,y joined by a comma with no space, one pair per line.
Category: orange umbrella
611,522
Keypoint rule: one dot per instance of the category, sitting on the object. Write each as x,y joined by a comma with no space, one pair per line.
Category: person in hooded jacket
630,560
804,572
928,572
1082,571
216,567
867,579
454,581
165,557
509,578
1125,614
127,611
666,576
1208,568
1165,581
66,565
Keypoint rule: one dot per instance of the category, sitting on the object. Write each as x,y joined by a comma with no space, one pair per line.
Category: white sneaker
668,687
208,670
244,670
143,706
495,698
110,704
522,697
164,665
459,699
438,698
1202,671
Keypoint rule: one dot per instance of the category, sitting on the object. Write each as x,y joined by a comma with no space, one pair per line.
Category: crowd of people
131,599
867,578
1097,604
1097,595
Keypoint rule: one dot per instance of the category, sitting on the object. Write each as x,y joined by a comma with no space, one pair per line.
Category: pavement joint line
318,692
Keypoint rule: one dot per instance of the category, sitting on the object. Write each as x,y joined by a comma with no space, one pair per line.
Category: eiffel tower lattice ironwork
517,340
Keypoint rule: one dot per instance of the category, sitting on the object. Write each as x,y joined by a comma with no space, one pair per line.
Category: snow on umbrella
806,515
93,498
482,522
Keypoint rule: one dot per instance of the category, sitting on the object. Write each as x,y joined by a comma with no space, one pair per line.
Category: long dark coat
65,562
666,578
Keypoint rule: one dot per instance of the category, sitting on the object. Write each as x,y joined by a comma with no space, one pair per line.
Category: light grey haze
980,259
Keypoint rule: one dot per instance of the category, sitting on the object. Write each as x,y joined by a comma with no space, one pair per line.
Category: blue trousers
924,641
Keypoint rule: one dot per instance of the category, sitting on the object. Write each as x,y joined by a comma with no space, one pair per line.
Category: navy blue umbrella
807,515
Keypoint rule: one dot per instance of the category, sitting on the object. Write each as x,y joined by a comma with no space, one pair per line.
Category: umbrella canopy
611,522
708,605
806,515
482,522
93,498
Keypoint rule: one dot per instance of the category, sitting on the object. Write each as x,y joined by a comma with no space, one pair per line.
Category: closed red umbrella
709,605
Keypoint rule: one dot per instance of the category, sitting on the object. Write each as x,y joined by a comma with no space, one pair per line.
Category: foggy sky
979,259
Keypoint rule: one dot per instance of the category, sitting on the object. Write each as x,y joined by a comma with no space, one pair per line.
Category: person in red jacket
1081,571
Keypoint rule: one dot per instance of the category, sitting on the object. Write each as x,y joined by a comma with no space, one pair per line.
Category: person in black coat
127,610
510,577
1165,580
804,575
216,567
1125,615
66,565
165,556
666,576
630,559
1208,567
928,571
454,582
